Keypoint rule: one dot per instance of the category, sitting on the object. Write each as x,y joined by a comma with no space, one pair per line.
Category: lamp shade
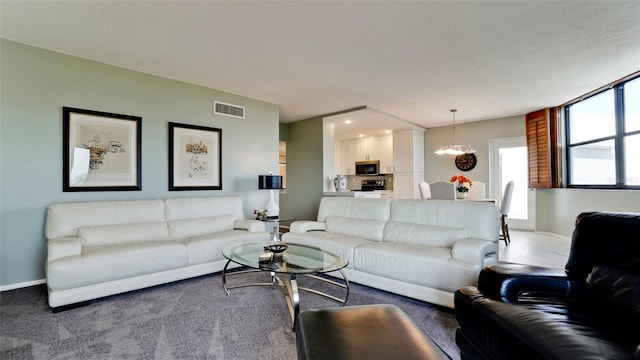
269,182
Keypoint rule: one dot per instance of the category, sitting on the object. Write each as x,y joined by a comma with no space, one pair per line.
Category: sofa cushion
481,219
123,233
102,263
438,236
368,229
202,207
615,291
555,330
186,228
416,264
338,244
64,219
208,247
613,234
369,209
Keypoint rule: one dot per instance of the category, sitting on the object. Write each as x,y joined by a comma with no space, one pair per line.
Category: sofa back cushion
366,209
185,228
203,207
615,291
480,220
438,236
64,219
368,229
614,236
123,233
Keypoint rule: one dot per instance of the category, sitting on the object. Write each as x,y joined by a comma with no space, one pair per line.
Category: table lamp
271,182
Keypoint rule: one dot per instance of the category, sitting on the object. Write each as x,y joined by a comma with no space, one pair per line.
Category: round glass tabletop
296,259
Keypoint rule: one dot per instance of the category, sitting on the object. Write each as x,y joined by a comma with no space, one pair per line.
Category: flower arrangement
461,182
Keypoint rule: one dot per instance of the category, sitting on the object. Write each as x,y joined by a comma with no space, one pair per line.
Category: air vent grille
221,108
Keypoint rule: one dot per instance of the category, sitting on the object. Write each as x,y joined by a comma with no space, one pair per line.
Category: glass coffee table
284,266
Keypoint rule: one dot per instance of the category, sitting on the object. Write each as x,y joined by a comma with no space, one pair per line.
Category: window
603,138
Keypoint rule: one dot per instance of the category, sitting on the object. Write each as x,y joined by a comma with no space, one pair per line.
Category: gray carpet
190,319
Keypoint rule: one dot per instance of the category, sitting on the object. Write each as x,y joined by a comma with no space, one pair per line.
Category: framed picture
101,151
195,157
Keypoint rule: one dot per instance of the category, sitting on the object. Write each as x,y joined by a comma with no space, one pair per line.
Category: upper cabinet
367,149
370,148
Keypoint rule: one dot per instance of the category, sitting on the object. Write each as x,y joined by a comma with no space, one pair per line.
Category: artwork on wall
101,151
195,157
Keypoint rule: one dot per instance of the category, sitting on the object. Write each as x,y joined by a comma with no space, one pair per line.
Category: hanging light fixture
455,149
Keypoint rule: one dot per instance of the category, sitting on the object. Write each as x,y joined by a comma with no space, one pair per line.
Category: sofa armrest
249,225
307,225
62,247
473,250
506,282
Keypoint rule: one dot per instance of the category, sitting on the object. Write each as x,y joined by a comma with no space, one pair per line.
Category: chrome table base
289,286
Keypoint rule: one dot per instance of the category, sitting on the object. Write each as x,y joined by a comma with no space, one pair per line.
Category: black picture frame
195,157
101,151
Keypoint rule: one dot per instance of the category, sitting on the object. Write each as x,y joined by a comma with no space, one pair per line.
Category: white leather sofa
96,249
424,249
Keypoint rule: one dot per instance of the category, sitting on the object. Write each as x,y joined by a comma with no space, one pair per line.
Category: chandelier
455,148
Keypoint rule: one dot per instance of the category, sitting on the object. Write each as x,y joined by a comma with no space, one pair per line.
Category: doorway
508,158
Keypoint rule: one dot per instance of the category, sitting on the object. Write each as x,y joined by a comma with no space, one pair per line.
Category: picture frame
195,157
101,151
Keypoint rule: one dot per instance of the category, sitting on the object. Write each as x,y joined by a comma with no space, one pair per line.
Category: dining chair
425,190
504,211
477,191
443,190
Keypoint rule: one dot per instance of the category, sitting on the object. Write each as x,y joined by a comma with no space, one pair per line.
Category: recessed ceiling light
387,131
361,135
347,122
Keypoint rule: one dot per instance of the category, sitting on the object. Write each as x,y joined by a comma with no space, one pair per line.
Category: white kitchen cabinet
347,152
371,148
365,149
408,151
385,153
408,158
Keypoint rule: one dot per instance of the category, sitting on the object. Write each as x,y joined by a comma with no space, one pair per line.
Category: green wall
304,170
36,84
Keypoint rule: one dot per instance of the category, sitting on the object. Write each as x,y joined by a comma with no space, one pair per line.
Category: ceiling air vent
221,108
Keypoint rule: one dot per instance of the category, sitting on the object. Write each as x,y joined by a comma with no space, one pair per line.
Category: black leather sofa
589,310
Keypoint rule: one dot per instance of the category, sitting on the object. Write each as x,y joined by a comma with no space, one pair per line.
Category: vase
340,182
461,195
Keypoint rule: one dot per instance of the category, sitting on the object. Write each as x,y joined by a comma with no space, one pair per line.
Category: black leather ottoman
362,332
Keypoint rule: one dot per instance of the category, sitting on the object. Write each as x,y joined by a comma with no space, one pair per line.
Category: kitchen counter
376,194
356,194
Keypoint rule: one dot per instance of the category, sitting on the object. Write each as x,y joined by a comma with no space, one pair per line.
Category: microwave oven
367,167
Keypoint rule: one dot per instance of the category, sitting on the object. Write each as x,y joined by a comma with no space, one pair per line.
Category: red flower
461,181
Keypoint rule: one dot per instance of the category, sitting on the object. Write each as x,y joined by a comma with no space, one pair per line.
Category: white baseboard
23,284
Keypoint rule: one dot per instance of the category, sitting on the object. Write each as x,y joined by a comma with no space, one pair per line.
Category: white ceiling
414,60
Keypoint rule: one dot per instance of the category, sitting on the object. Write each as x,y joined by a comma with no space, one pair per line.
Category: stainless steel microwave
371,167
